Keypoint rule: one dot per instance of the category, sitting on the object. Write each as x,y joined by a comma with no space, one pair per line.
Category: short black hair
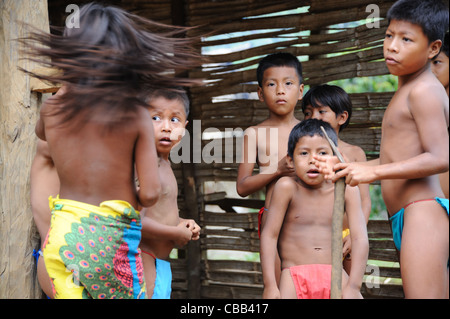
176,93
329,95
279,60
445,45
430,15
311,128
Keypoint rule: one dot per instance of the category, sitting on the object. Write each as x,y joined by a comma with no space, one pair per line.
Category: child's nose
166,126
316,115
393,45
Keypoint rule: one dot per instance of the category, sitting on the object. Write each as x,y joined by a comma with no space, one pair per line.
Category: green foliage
378,207
384,83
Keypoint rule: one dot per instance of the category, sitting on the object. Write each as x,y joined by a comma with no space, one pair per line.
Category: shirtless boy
280,88
440,68
332,104
414,148
162,227
299,224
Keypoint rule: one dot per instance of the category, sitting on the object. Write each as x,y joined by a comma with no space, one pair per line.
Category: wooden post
337,222
18,114
336,239
194,255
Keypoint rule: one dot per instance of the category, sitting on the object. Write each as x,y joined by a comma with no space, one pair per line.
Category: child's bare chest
272,144
313,208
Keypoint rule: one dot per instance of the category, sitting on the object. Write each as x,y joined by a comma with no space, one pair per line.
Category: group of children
117,248
413,167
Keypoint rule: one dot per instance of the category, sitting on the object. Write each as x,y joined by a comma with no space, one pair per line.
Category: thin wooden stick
336,229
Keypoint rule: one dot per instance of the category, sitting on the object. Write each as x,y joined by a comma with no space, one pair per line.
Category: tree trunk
19,108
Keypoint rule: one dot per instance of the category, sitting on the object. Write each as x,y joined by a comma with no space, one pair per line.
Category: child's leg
149,264
287,288
44,279
425,251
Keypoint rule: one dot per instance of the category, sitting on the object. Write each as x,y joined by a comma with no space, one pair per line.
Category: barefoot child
298,226
162,227
414,148
98,134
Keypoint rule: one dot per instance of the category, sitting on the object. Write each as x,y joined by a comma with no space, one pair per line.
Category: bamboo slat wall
314,30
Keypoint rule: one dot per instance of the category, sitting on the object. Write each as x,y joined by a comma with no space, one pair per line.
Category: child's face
326,114
169,122
303,159
407,49
440,68
281,89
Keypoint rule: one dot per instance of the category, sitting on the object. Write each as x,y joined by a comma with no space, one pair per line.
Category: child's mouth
312,173
165,141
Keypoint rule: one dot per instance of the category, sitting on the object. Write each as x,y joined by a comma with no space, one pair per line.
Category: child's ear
342,118
302,87
435,49
260,94
289,162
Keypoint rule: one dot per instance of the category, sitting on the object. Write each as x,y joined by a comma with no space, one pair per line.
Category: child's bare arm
247,183
180,235
282,195
360,241
193,226
431,126
364,189
146,161
40,128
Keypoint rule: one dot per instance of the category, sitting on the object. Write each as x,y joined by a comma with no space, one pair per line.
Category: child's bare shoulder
286,183
252,131
427,88
354,153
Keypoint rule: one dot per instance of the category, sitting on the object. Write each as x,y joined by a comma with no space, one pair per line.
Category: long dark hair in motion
111,59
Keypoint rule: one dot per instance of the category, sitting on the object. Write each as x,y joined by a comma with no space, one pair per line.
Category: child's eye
271,84
304,153
388,36
407,39
289,83
156,118
323,153
175,120
436,62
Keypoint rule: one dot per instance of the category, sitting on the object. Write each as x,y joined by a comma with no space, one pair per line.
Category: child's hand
326,165
355,173
194,227
271,293
284,168
184,234
349,292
